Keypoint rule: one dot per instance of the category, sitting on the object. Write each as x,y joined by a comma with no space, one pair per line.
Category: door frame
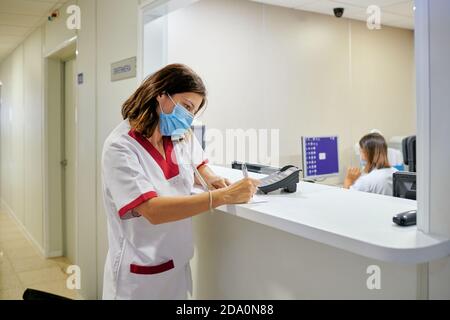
64,127
1,114
1,84
53,148
150,10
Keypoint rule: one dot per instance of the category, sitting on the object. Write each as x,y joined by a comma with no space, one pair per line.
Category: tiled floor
22,266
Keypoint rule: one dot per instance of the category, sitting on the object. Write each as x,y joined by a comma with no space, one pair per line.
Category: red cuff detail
206,161
136,202
166,266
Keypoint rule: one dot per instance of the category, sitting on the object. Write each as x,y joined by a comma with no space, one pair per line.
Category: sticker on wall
123,69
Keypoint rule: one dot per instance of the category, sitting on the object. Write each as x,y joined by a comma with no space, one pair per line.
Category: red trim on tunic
136,202
204,162
167,165
166,266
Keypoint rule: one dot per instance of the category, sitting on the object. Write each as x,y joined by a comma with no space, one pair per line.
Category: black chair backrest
32,294
409,153
405,150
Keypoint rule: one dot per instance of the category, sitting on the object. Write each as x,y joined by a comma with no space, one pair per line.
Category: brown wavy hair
375,147
140,108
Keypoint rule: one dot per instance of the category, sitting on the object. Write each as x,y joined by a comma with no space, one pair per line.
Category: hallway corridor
22,266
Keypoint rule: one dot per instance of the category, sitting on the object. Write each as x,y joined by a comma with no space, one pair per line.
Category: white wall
304,73
33,129
117,40
433,69
56,32
21,141
439,134
439,26
11,75
87,148
155,44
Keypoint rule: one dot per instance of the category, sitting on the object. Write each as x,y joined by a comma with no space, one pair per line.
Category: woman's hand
165,209
211,178
353,174
219,182
239,192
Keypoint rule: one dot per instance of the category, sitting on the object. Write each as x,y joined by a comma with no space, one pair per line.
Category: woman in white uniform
148,169
377,174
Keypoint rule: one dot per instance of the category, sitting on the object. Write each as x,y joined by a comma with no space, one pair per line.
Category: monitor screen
320,156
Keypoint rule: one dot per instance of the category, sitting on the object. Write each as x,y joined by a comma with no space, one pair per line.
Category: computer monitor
200,133
320,157
405,185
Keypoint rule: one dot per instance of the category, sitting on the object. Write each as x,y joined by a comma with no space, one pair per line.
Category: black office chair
405,185
32,294
409,153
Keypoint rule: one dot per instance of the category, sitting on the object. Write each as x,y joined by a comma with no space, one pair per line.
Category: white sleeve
125,180
361,185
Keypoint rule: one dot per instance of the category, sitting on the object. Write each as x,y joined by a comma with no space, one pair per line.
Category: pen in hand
202,181
244,170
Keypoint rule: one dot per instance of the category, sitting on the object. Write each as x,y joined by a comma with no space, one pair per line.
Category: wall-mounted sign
123,69
80,78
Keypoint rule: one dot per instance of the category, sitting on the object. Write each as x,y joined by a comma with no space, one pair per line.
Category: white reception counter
354,221
322,242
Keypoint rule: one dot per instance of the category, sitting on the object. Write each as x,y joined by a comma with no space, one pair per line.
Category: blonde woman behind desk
376,176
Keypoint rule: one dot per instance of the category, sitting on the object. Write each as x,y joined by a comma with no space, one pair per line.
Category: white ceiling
395,13
19,18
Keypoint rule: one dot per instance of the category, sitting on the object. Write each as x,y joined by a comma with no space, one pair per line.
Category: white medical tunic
146,261
377,181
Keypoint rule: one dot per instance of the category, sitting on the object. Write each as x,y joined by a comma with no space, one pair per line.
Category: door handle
64,163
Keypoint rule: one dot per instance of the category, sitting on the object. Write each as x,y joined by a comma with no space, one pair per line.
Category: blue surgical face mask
175,124
363,163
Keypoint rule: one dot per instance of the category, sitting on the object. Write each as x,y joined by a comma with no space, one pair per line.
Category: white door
69,218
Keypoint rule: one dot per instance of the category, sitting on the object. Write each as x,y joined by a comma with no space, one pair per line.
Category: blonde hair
375,148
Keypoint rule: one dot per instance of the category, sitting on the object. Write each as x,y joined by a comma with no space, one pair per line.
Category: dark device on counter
286,179
406,219
253,167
